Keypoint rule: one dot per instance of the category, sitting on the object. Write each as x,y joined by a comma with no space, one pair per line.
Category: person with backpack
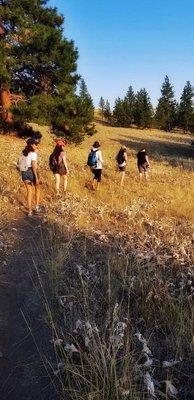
27,165
143,163
122,162
58,165
95,162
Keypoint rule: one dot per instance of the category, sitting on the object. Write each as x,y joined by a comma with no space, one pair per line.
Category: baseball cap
32,141
60,142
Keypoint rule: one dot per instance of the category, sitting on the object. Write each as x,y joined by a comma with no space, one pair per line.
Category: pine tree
107,111
185,113
85,106
102,106
166,110
119,114
129,106
143,112
37,66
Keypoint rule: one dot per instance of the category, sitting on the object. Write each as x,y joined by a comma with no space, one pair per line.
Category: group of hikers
28,166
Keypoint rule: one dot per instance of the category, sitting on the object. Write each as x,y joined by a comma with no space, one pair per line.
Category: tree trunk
5,102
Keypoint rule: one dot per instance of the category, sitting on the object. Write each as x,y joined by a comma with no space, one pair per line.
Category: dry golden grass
163,206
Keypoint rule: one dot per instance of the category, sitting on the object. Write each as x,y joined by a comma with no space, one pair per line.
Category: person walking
143,163
28,166
122,162
95,162
58,165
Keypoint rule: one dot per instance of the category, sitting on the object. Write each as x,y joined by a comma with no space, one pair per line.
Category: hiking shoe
38,209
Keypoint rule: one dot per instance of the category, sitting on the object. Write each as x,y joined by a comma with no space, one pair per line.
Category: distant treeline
136,109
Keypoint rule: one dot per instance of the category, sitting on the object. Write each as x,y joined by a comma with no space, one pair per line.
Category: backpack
53,163
92,159
120,157
21,164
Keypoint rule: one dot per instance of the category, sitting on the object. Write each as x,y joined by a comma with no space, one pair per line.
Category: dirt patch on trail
24,336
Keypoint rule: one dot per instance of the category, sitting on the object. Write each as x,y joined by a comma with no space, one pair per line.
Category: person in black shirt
143,163
122,162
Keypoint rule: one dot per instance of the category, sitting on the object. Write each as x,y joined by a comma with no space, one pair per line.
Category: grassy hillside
120,264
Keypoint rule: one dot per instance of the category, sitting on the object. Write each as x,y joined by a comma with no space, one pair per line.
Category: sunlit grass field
166,200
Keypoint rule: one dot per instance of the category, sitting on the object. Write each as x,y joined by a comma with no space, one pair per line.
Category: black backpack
120,157
53,163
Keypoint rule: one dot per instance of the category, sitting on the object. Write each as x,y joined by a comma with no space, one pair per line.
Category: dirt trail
25,351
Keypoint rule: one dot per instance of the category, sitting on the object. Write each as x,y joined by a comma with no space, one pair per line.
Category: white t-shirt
32,156
99,160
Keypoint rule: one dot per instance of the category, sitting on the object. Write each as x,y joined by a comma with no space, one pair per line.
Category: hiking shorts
143,167
121,169
29,177
61,170
97,174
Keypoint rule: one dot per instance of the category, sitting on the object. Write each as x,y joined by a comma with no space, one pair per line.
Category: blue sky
130,42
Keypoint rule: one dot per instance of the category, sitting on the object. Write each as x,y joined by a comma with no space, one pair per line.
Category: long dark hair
27,150
57,151
121,151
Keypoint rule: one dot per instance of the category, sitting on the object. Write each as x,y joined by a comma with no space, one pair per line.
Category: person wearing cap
122,162
37,136
60,168
30,175
97,167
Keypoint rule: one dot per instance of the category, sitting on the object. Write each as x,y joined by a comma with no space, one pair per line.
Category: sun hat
96,145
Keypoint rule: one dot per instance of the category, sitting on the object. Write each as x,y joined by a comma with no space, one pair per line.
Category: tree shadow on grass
174,153
64,262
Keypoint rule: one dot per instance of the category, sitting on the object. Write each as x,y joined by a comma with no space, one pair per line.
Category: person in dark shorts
29,173
60,169
122,162
95,162
143,163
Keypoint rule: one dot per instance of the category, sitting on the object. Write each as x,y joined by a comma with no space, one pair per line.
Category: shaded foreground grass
99,303
118,263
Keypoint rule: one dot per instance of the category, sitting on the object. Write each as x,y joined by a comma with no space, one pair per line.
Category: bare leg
57,183
29,196
146,176
37,195
64,183
140,176
122,177
95,184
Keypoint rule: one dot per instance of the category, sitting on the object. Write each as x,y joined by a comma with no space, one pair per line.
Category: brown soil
24,344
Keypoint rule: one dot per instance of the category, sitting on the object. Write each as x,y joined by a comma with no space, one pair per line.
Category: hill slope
120,257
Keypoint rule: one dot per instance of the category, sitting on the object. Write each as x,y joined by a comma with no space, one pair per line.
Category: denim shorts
28,176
